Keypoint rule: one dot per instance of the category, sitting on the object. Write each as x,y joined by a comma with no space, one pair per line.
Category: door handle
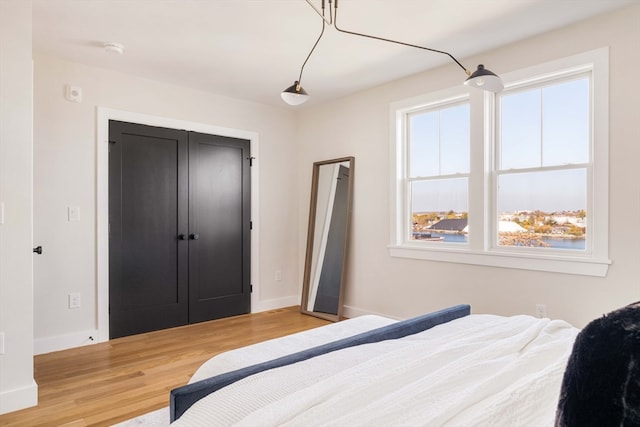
182,237
38,250
194,236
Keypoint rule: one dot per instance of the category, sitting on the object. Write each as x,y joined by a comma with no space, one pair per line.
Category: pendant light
295,94
482,78
485,80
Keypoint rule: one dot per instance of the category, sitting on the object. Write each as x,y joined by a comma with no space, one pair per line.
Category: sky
542,127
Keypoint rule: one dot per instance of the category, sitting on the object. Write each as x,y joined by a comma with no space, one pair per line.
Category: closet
179,227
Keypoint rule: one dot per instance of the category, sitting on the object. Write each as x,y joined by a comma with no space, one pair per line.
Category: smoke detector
113,47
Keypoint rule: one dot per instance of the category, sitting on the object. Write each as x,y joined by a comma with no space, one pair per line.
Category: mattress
480,370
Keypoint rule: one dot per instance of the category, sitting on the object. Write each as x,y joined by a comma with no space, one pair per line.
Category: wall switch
74,213
1,342
278,275
541,311
74,300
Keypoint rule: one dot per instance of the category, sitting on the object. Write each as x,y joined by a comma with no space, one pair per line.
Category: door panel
218,219
148,202
219,209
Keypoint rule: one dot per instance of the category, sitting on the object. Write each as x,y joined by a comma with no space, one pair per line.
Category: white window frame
482,248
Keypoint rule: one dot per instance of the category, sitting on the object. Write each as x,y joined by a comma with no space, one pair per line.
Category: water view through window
541,168
557,230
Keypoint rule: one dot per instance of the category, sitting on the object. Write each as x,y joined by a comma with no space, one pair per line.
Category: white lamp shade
485,80
294,98
294,94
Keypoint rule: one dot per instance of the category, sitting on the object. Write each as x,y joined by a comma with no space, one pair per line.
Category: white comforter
278,347
480,370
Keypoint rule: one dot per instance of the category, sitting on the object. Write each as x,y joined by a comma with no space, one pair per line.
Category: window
543,160
438,143
517,179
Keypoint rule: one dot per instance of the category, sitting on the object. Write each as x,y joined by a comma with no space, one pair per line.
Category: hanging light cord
312,49
295,95
335,24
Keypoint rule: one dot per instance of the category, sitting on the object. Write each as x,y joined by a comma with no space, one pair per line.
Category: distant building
510,227
452,224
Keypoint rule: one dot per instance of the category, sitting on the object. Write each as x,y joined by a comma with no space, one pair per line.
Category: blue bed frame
183,397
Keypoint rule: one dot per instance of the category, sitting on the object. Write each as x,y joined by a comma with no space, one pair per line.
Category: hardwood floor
109,382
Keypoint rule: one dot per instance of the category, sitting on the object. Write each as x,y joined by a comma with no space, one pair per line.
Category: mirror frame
310,239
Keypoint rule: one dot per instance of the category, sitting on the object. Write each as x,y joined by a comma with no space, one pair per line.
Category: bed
448,368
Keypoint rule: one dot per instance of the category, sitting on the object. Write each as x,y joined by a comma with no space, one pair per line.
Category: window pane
566,123
454,140
520,133
439,209
439,141
424,144
534,210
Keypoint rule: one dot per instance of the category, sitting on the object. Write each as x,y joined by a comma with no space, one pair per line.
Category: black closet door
219,227
148,202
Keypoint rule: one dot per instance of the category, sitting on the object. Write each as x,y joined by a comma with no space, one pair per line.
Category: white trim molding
19,398
63,342
275,303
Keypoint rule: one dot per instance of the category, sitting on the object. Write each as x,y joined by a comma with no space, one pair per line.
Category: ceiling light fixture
113,47
296,95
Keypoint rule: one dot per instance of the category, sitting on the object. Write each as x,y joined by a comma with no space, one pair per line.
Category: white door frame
102,198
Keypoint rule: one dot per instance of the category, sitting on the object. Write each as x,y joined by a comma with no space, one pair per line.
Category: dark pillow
601,385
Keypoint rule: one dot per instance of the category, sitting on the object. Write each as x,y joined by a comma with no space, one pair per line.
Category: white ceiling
253,49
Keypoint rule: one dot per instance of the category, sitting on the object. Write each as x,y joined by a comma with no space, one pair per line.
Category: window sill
554,264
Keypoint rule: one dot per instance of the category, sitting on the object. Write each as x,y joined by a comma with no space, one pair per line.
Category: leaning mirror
327,235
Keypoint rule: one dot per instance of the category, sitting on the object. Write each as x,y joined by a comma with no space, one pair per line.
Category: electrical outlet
74,300
278,275
541,311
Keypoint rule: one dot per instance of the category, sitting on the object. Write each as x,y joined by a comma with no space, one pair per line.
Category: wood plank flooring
109,382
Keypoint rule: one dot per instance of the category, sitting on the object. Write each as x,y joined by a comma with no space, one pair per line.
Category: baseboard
64,342
274,304
351,312
20,398
78,339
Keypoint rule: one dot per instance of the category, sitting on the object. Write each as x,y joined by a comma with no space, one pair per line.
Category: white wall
359,125
65,175
17,387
